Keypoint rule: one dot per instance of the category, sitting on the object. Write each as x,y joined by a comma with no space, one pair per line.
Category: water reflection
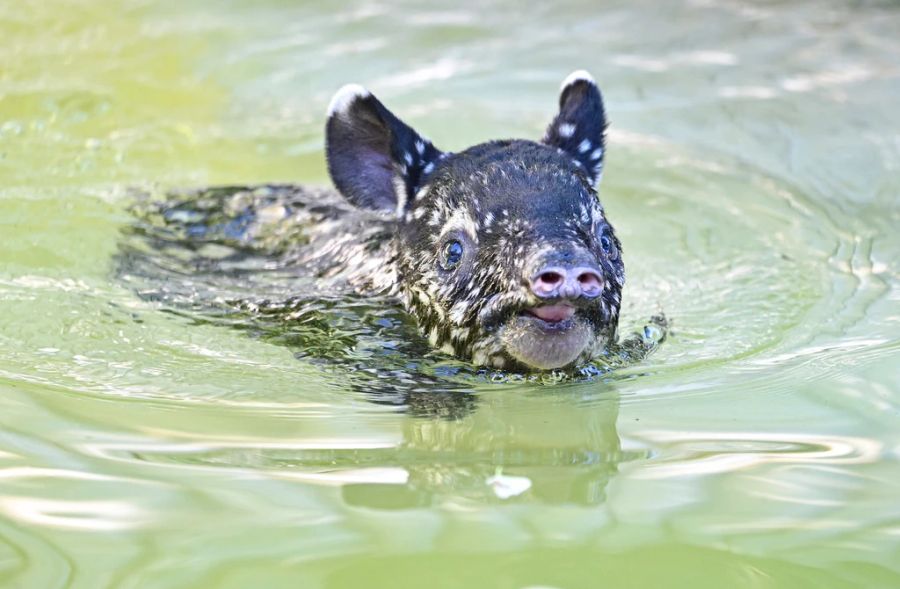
93,502
568,453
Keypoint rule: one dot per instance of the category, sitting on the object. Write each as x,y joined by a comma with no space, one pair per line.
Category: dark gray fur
514,205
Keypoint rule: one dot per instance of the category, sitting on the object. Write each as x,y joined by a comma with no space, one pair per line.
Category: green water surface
753,176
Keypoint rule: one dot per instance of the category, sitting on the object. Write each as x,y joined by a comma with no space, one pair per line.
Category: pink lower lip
553,313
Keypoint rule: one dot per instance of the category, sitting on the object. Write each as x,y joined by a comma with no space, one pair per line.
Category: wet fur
513,204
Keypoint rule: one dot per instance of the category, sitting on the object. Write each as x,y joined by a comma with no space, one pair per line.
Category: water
752,176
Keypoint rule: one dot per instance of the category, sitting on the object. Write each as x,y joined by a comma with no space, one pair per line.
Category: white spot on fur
458,312
420,146
346,96
400,193
584,146
408,158
461,220
566,130
597,153
461,334
429,168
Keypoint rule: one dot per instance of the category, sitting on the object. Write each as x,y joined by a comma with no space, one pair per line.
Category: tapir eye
606,243
451,254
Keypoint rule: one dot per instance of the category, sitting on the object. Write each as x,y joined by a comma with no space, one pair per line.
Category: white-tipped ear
375,160
579,127
577,76
343,98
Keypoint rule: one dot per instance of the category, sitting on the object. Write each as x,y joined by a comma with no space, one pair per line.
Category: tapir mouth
547,336
552,314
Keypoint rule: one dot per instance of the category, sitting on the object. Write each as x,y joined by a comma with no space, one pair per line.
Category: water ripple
690,454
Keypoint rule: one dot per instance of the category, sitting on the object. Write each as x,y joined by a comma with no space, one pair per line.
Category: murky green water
753,176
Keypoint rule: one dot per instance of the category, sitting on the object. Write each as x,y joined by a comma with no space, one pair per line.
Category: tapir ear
580,127
376,160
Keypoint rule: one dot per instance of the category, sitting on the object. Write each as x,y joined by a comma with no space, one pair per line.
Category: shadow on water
237,257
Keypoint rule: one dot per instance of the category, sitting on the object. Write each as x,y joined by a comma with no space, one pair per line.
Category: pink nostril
553,278
547,282
591,283
567,283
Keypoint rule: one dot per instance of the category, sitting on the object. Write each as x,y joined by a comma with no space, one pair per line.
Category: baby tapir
502,252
